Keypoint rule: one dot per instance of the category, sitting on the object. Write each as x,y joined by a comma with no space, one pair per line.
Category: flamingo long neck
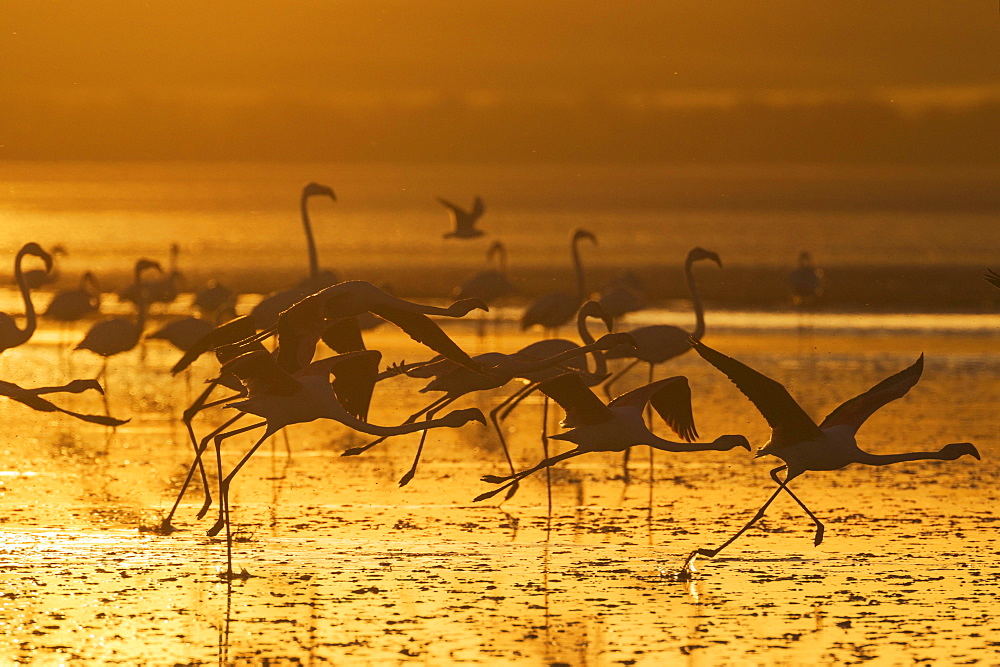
499,250
600,363
699,311
888,459
549,362
310,241
581,288
140,304
88,285
657,442
30,320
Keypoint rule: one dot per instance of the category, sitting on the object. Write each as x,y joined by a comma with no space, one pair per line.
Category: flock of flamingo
269,389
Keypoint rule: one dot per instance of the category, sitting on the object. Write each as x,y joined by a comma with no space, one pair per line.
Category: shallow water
350,568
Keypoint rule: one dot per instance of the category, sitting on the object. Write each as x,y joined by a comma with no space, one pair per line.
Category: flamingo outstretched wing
671,398
354,376
788,421
582,406
261,374
854,412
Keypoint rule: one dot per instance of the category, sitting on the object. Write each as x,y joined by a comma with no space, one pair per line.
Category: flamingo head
957,449
698,253
584,234
462,417
727,442
608,341
465,306
316,189
36,250
596,309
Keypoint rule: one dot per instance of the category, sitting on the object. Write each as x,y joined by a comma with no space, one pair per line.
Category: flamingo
554,309
266,312
658,343
162,290
213,298
10,334
282,398
804,446
617,426
457,381
40,277
806,282
622,295
464,221
32,398
71,305
119,334
491,284
300,326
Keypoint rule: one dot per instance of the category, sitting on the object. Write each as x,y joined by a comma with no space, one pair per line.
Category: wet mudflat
349,568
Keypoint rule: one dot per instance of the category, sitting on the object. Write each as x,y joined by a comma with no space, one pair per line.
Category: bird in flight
464,221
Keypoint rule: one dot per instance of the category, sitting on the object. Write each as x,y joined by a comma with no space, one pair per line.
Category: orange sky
62,57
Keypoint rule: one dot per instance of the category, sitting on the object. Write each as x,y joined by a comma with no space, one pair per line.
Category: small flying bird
803,445
596,427
464,221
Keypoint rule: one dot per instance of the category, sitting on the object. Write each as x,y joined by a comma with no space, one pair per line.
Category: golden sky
360,53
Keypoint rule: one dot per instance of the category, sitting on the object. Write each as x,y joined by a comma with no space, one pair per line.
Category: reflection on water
351,568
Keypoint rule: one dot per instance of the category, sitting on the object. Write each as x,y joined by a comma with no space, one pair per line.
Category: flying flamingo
804,446
282,398
596,427
71,305
33,399
658,343
266,312
464,221
555,309
120,334
457,381
10,334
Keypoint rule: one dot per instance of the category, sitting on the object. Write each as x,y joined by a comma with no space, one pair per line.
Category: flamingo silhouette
283,398
555,309
161,290
622,295
804,446
596,427
805,282
214,298
10,334
40,277
71,305
457,381
491,284
464,221
32,398
119,334
658,343
266,312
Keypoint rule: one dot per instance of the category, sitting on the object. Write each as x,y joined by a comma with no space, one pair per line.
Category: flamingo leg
514,479
499,413
784,485
430,414
354,451
711,553
224,482
545,453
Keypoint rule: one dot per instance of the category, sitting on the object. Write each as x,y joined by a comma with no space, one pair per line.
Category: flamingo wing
478,207
343,335
354,377
854,412
788,421
992,277
671,398
231,332
582,406
422,329
261,374
455,209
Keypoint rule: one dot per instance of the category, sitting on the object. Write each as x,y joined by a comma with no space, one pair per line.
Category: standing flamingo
464,221
282,399
161,290
71,305
804,446
555,309
596,427
120,334
10,334
40,277
658,343
266,312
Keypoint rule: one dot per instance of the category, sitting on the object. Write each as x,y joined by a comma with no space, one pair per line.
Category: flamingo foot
219,525
710,553
407,478
819,535
242,575
496,479
511,491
